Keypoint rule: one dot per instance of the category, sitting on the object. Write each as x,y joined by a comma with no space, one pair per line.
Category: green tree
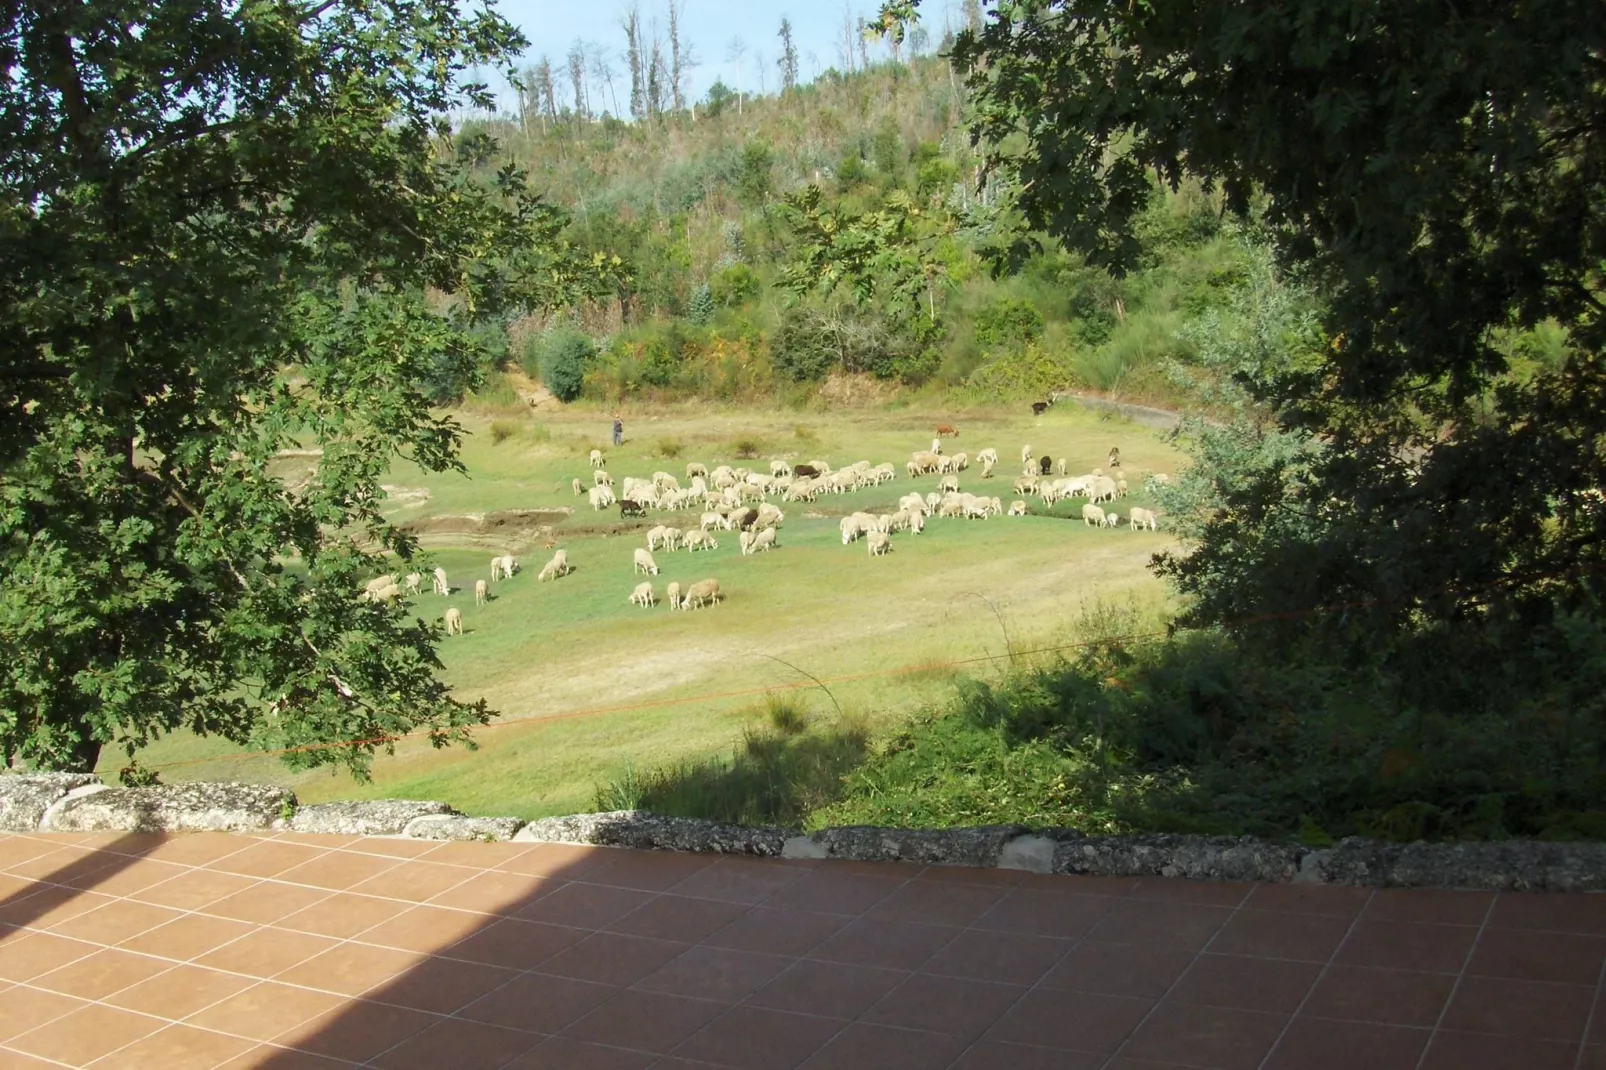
562,359
1437,181
788,58
801,348
220,222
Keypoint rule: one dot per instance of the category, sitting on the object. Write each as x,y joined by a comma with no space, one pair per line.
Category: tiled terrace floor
286,951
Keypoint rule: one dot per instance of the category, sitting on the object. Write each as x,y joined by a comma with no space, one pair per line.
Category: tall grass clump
670,448
502,430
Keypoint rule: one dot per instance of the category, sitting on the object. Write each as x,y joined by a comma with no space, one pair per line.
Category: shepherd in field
618,429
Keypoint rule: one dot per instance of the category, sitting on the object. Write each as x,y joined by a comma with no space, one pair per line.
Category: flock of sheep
725,498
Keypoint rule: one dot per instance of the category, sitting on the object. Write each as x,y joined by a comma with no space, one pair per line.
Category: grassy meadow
587,685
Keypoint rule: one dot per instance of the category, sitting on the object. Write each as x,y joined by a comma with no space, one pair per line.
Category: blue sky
710,26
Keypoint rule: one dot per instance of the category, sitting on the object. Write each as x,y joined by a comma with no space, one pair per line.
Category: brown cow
947,429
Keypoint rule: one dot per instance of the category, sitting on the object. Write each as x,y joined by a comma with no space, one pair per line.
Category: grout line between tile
1449,1000
1332,956
1589,1020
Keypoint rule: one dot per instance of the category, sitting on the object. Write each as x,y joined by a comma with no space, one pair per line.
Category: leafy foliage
562,357
219,234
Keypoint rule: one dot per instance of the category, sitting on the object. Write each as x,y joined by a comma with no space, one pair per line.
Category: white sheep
672,537
502,567
601,478
780,468
764,540
699,540
1112,520
932,501
1025,455
961,462
744,540
655,536
1102,489
701,593
850,530
1092,515
1142,518
1017,508
442,588
387,593
713,520
558,566
769,516
642,595
1120,488
1062,466
644,563
379,583
454,621
695,470
917,523
987,456
948,483
672,595
415,580
936,445
596,458
480,594
880,543
601,498
579,489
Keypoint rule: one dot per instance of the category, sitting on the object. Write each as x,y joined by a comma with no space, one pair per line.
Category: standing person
618,429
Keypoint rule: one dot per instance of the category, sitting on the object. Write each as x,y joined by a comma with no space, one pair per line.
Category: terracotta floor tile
180,992
359,1030
1012,958
561,1053
1178,925
266,1011
1340,902
519,945
1553,911
265,953
1270,934
1524,1008
1076,1021
1321,1044
189,937
945,1005
350,969
415,881
15,1060
17,849
266,858
583,906
273,1057
263,903
332,840
442,986
738,881
1199,893
477,856
1593,1057
342,916
125,877
198,848
495,892
828,989
196,889
1431,905
752,1038
337,871
1396,945
99,975
538,1003
1388,997
1137,971
989,878
651,871
392,847
1206,1036
64,864
778,931
24,1009
86,1034
425,928
459,1045
715,973
1079,884
178,1047
678,917
1037,913
1450,1050
897,945
51,906
612,958
1249,984
33,954
834,891
645,1021
115,922
997,1055
1567,958
937,903
863,1047
560,860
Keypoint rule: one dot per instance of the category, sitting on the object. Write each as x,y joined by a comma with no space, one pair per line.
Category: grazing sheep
1017,508
961,462
601,498
379,583
850,530
745,519
480,592
917,523
414,581
642,595
579,488
699,540
1025,455
1092,515
713,520
1120,488
764,540
1046,465
631,507
936,445
1040,407
672,537
932,500
945,463
780,468
769,516
442,588
502,568
805,471
672,595
1062,466
558,566
948,483
596,458
1097,472
1026,485
601,478
693,470
987,456
1112,520
387,593
655,536
947,429
744,542
880,543
644,563
703,592
1102,489
924,461
454,621
1142,518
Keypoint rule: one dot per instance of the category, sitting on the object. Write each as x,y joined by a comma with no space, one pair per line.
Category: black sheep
1046,464
1039,407
802,471
631,508
745,519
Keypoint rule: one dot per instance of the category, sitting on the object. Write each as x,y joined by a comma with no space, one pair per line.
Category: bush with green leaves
1007,323
700,309
735,284
800,349
560,358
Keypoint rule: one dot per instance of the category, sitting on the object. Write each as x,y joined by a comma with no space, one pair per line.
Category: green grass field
587,684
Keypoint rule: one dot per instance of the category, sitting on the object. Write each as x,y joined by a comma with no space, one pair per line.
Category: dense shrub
733,285
801,349
1008,322
559,358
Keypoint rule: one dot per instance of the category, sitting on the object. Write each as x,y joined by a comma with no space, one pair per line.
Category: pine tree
788,60
679,59
638,81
